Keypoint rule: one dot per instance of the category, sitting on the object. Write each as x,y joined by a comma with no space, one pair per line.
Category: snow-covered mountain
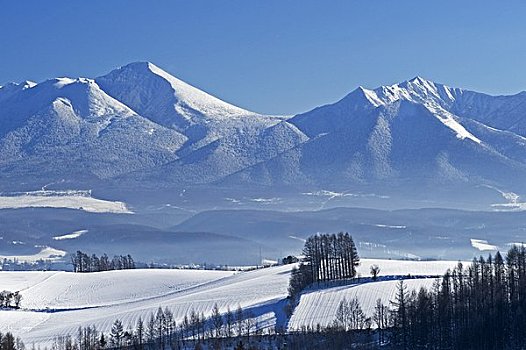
65,127
134,119
140,125
415,132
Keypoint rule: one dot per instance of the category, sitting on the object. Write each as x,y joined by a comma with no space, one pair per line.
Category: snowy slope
320,306
163,98
66,290
181,291
100,298
406,267
170,102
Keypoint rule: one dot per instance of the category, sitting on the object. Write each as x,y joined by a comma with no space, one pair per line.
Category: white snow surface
198,99
72,235
406,267
69,200
46,253
483,245
100,298
320,306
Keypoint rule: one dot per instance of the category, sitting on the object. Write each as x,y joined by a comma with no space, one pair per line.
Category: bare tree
229,321
375,271
249,324
217,321
381,319
239,320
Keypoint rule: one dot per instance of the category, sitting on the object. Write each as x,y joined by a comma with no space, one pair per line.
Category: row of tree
10,300
482,306
327,257
160,331
83,262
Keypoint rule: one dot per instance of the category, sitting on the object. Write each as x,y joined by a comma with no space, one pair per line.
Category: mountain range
140,126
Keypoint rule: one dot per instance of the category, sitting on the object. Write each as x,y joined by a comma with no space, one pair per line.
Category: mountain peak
420,80
139,66
163,98
362,97
419,83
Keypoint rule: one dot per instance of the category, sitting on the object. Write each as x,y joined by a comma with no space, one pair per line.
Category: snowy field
62,199
45,253
59,302
406,267
320,306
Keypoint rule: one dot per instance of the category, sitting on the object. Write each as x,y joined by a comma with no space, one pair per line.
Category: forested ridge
482,306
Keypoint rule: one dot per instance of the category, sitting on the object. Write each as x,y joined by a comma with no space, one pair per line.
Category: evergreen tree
140,333
117,334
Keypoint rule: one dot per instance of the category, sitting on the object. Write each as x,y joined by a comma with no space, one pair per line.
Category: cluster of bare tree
327,257
10,300
334,338
331,256
9,342
83,262
160,331
350,316
479,307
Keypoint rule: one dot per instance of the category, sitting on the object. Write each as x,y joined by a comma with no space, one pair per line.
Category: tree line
83,262
160,331
482,306
327,257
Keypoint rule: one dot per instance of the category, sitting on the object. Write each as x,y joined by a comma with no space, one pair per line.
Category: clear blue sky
272,56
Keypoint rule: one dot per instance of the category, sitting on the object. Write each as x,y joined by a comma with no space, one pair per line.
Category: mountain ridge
138,124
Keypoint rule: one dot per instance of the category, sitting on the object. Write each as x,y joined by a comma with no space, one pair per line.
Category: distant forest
83,262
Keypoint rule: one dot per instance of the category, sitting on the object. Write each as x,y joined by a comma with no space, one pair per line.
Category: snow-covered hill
57,303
